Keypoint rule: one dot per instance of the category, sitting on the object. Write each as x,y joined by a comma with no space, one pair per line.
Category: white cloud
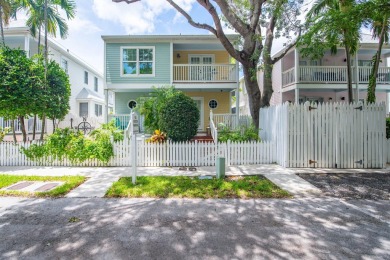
138,17
78,25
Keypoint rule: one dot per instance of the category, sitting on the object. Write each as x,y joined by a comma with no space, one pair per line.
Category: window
98,110
213,104
83,109
96,84
86,77
132,104
64,65
138,61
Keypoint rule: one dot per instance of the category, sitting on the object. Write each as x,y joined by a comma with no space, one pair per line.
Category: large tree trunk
254,94
23,128
349,73
34,126
371,98
13,130
43,127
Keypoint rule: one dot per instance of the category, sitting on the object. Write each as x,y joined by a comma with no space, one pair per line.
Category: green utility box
220,163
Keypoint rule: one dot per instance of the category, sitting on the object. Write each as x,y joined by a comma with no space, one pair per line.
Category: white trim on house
137,61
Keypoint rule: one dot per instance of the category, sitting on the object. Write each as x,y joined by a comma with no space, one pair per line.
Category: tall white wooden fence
152,154
327,135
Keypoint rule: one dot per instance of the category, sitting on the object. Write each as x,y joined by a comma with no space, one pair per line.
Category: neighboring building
297,78
87,84
196,64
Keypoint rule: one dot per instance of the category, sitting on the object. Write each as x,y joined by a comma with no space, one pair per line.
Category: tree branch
126,1
233,19
190,20
288,48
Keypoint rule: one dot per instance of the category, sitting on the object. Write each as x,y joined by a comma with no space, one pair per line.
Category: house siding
162,64
220,57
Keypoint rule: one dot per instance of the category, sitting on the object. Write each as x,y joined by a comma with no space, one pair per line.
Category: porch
332,74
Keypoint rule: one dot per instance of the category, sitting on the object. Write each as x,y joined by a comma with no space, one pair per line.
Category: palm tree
347,28
36,17
5,15
44,14
379,19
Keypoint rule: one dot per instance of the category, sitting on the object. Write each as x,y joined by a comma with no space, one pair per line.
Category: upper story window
64,65
86,77
137,61
96,84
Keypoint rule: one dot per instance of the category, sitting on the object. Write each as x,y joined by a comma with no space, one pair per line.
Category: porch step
204,138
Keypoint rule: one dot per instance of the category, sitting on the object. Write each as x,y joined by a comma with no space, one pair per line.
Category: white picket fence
152,154
327,135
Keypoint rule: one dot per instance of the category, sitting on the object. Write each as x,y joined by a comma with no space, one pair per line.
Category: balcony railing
204,73
332,74
288,77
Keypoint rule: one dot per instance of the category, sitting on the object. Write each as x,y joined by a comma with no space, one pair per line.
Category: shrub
75,146
3,132
157,137
388,127
179,117
243,134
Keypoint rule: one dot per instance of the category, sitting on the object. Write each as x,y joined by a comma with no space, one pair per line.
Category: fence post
134,157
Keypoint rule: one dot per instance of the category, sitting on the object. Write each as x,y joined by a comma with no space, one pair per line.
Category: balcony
201,73
332,74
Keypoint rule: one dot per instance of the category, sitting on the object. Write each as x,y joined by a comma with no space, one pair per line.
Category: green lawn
192,187
71,182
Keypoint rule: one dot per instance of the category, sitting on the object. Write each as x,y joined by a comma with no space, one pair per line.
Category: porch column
27,44
296,95
357,77
106,105
238,92
296,65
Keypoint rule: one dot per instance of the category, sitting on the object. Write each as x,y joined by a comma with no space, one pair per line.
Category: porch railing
213,128
29,123
204,73
382,77
121,120
332,74
231,121
288,77
323,74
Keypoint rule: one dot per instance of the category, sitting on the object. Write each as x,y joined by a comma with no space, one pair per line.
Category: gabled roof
89,94
16,31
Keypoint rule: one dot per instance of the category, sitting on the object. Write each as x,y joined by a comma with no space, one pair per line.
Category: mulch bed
372,186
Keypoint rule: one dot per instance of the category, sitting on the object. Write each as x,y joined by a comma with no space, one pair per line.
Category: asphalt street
98,228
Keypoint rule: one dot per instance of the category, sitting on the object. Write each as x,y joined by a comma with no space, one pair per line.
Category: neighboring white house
87,84
299,79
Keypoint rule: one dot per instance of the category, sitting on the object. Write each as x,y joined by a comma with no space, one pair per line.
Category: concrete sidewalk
101,178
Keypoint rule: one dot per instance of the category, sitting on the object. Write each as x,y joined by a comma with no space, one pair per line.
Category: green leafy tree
376,14
250,19
5,14
332,23
179,117
20,85
150,107
58,92
45,14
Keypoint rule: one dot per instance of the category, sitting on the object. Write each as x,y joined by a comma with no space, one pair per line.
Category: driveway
314,228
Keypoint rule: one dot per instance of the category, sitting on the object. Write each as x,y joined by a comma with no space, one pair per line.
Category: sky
95,18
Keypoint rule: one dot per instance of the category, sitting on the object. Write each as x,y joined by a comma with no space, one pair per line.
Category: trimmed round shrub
179,117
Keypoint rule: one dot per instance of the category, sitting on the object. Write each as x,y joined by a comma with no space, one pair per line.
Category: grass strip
192,187
71,182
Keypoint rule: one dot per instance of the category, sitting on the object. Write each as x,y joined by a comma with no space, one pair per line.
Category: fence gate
337,136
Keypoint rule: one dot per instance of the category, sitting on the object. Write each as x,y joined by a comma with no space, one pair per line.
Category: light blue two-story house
196,64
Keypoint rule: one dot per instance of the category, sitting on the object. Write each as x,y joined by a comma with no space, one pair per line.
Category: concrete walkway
101,178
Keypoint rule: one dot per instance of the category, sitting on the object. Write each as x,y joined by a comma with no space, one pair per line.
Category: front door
201,72
199,103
